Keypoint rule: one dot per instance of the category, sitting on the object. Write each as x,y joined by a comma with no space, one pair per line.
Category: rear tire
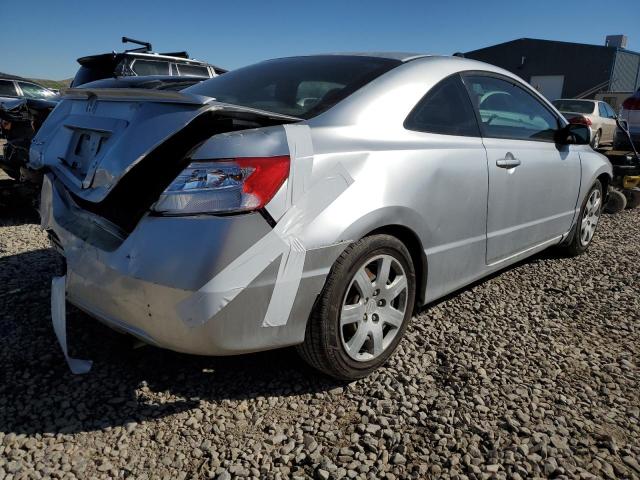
587,221
616,203
595,143
363,310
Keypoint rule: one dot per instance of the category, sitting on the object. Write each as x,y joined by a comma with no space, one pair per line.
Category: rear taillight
224,186
581,120
631,103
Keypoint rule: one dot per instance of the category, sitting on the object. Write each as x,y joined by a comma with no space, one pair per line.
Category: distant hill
58,84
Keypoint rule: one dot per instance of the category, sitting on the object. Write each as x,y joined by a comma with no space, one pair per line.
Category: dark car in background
24,105
141,62
20,119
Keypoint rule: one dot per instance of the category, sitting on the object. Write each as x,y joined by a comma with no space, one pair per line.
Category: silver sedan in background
597,115
315,201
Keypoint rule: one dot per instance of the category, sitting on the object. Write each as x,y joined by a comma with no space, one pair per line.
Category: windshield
577,106
298,86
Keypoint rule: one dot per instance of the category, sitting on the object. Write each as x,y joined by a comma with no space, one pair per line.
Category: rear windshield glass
577,106
90,74
298,86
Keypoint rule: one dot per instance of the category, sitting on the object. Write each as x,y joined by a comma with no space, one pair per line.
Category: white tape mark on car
283,241
59,321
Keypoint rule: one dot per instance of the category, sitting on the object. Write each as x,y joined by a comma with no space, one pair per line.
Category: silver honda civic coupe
314,201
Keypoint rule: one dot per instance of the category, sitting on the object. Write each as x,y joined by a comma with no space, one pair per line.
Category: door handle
509,161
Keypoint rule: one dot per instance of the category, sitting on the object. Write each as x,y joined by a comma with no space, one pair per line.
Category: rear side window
150,67
610,112
509,111
192,70
31,90
7,89
602,110
445,109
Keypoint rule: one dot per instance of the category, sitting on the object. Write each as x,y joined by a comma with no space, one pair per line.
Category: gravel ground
531,373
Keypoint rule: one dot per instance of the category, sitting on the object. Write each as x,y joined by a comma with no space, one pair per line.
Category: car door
449,163
533,182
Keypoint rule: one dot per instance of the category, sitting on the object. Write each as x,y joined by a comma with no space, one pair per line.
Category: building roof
542,40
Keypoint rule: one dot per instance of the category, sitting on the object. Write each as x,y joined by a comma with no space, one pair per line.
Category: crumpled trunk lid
95,137
116,150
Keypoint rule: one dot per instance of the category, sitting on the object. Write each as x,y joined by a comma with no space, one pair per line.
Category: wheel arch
605,180
408,226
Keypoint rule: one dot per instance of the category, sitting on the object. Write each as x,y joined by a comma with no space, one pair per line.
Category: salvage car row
315,201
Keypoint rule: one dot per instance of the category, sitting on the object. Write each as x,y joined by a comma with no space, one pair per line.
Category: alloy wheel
590,217
373,307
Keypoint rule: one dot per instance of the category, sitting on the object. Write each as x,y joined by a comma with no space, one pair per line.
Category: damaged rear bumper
142,283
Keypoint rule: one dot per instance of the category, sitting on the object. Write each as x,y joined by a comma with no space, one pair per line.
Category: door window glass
7,89
509,111
150,67
30,90
445,109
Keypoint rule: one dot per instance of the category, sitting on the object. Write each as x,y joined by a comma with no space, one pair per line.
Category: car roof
402,56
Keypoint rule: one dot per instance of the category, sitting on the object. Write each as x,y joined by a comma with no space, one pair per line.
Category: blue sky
42,39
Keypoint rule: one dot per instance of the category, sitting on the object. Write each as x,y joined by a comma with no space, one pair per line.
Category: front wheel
587,221
363,310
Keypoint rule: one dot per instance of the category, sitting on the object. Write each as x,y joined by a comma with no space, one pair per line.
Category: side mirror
574,134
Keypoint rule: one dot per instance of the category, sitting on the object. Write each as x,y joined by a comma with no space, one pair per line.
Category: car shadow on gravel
127,384
38,394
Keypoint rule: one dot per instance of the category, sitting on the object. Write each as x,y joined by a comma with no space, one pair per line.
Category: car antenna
145,47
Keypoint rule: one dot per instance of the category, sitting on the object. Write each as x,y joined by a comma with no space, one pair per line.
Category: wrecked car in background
141,62
312,201
20,119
